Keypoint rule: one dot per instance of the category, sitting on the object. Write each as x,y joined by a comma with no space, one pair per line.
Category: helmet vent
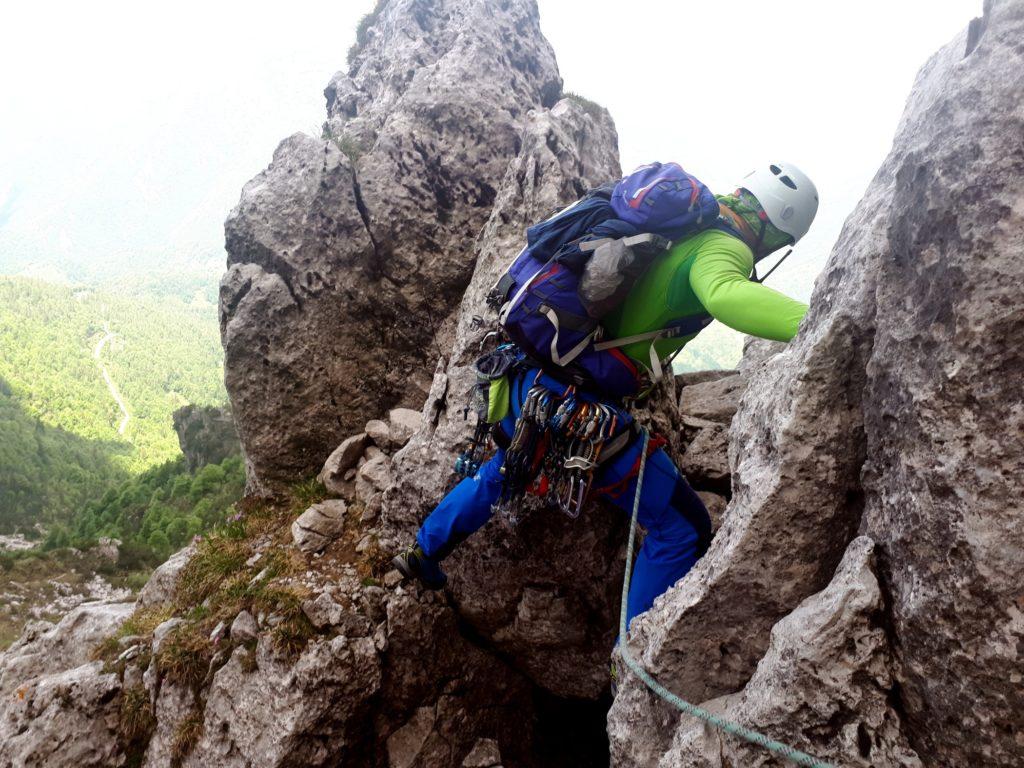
787,181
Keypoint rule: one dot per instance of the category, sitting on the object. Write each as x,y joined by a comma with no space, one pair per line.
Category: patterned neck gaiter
745,205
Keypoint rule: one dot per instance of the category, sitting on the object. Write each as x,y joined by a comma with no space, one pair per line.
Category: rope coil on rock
735,729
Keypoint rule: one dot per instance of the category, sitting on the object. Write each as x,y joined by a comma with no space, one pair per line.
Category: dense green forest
155,513
59,440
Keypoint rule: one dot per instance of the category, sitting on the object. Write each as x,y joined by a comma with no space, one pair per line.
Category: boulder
342,459
714,400
373,477
159,590
347,254
379,432
244,628
319,525
403,423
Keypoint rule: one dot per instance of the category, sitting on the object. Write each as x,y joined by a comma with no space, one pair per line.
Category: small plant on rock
186,736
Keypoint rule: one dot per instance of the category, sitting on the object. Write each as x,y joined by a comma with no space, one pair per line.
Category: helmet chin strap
769,273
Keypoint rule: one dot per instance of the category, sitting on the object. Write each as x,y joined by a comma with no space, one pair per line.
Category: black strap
773,268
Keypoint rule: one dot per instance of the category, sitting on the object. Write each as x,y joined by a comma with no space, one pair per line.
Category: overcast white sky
132,125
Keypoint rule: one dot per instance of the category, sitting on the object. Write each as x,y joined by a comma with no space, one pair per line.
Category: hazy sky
130,126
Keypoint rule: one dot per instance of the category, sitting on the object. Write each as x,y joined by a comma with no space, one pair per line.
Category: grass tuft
135,721
363,30
216,559
185,656
592,108
186,736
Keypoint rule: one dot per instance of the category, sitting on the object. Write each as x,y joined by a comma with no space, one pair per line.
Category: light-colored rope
735,729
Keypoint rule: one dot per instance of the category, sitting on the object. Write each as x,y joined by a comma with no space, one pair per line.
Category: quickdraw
560,437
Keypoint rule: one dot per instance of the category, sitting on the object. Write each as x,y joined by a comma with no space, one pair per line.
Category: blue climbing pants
677,523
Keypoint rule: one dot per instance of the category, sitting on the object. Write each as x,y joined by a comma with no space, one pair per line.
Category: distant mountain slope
58,421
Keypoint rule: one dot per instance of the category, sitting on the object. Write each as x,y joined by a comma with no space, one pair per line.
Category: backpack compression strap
684,327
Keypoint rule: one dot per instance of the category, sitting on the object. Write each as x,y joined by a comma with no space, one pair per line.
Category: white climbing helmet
787,195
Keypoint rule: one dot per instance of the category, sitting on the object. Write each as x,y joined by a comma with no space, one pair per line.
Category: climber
707,274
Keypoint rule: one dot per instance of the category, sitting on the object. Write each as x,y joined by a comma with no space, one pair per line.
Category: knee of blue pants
462,511
678,527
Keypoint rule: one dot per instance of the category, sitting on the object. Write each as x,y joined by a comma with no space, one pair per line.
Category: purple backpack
539,299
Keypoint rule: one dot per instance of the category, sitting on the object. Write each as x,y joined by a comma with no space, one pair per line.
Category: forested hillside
59,440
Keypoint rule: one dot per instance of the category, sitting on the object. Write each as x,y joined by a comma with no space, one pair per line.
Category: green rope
794,755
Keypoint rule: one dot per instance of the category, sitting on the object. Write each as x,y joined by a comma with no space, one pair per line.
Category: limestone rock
63,720
379,432
822,687
163,631
405,744
577,563
271,714
341,460
346,255
159,590
485,754
206,434
373,477
403,423
319,525
244,628
894,412
322,611
705,461
715,505
44,647
714,400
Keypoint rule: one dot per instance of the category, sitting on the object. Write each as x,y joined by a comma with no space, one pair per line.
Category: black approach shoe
413,564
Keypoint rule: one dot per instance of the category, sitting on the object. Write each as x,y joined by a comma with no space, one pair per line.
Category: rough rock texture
896,412
788,696
346,255
206,434
57,707
319,525
557,625
160,587
341,460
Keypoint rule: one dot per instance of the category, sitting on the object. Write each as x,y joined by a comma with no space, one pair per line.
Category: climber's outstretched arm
719,278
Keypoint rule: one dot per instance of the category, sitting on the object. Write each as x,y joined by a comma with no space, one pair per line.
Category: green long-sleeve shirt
706,273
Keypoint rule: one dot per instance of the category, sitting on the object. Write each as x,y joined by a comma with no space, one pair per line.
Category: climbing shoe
413,564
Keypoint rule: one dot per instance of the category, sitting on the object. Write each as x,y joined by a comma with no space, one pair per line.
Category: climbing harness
561,438
735,729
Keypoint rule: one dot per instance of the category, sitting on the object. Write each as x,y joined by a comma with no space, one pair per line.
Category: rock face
206,434
558,625
348,253
57,707
895,412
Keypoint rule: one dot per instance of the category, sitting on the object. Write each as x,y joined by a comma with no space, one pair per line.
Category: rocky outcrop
57,706
557,624
894,413
206,434
347,254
